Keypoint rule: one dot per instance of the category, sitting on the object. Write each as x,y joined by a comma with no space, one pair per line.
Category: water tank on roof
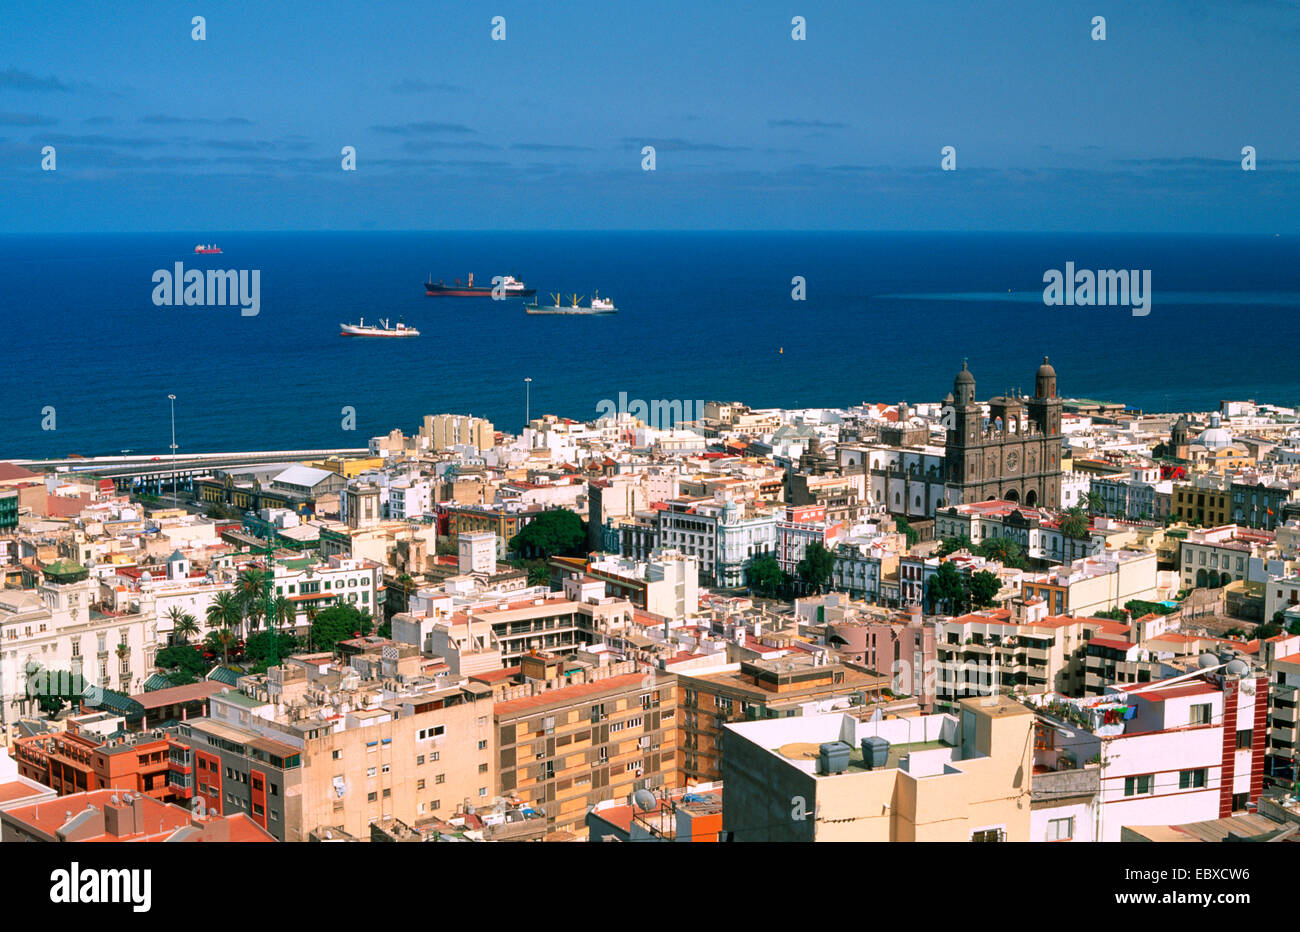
875,753
1238,667
833,757
1207,659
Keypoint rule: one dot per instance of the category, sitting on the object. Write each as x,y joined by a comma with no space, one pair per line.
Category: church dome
964,377
1216,435
1045,371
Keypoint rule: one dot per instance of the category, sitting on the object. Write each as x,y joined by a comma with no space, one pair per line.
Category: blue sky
1053,131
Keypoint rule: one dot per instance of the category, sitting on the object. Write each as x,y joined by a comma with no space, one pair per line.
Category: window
1239,801
1137,786
482,745
372,797
482,791
387,793
419,760
1192,779
419,784
386,768
435,755
440,778
482,768
990,834
336,754
1201,714
1244,737
1060,829
370,772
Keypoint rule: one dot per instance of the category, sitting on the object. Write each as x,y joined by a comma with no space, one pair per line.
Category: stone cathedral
1014,454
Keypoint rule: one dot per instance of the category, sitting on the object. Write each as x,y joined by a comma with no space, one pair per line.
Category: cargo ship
598,305
206,250
383,330
511,287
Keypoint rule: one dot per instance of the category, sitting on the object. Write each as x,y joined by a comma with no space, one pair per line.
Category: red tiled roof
9,471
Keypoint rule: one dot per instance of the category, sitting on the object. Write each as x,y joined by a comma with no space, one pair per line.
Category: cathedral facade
1014,454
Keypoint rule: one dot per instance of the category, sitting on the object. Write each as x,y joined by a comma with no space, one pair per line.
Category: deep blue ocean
888,317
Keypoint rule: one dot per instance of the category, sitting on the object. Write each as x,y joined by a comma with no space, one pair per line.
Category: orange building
95,754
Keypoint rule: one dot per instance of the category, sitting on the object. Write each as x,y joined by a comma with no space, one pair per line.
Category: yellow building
941,778
349,467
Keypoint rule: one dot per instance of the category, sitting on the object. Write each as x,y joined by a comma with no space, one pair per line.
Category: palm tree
251,587
283,612
184,625
220,640
1092,501
224,611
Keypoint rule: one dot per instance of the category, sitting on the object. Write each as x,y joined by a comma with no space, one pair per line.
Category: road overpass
155,473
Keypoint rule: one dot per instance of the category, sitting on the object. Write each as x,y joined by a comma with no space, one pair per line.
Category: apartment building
310,584
1204,499
313,744
1283,731
1022,645
800,526
1186,749
794,684
1094,584
666,584
558,622
94,753
960,777
1215,556
566,748
733,533
441,432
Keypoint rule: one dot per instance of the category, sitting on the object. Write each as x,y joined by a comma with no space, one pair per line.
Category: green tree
950,545
947,588
1074,523
185,658
258,650
221,640
765,575
184,625
337,623
984,587
445,547
816,567
539,574
251,587
224,611
1004,550
283,612
53,689
904,527
556,531
1092,503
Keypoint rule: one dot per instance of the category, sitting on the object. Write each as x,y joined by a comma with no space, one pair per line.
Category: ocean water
887,317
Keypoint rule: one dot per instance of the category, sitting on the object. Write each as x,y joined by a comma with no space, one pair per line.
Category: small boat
598,305
510,287
383,330
203,250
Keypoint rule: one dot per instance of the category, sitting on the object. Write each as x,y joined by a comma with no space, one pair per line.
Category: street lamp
172,399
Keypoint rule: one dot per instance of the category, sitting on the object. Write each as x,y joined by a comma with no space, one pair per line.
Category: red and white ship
383,330
206,249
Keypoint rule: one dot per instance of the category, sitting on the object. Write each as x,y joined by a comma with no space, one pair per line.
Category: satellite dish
645,800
